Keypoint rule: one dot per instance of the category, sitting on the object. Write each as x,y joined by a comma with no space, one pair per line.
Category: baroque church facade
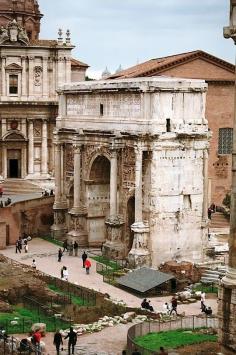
31,71
131,163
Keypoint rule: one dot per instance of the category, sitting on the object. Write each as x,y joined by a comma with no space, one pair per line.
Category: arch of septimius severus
131,168
31,70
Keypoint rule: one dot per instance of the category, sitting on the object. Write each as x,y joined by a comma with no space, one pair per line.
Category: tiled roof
77,63
157,65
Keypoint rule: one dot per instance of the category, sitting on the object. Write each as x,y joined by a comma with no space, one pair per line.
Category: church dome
25,12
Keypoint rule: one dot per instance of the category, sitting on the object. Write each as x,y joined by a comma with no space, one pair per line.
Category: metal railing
9,345
190,322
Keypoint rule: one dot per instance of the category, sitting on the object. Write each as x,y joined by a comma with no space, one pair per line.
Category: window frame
225,147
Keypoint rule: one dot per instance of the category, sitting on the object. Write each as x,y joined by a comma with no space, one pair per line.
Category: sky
127,32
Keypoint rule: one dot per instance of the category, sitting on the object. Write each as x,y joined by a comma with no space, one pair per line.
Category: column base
226,315
80,236
78,223
114,248
59,228
139,255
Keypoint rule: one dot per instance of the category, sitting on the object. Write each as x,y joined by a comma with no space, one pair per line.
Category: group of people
22,243
46,193
147,305
6,203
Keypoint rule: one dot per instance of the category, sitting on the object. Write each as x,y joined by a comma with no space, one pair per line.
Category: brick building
219,75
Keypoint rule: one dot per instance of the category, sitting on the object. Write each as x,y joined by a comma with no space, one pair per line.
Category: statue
22,35
3,35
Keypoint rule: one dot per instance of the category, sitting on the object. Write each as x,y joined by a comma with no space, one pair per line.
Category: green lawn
103,260
25,318
79,301
206,288
53,241
172,339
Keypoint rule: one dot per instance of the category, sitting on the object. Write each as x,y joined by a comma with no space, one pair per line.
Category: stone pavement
45,254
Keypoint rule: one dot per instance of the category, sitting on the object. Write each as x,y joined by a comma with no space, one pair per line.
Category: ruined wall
176,206
33,217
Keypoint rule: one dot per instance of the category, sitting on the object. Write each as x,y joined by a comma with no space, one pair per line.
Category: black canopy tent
144,280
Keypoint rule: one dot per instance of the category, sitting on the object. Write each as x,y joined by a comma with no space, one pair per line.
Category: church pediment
13,66
13,34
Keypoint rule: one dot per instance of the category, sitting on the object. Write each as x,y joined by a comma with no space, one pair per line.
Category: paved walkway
45,254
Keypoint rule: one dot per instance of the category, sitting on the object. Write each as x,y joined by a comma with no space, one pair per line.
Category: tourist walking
203,300
72,336
87,265
76,248
36,338
209,212
62,269
59,255
58,341
34,265
65,273
84,257
174,305
65,246
26,247
18,249
1,190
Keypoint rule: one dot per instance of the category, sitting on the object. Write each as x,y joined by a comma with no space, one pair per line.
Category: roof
44,43
144,279
77,63
157,65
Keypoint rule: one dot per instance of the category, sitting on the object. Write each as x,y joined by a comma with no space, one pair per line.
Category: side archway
98,199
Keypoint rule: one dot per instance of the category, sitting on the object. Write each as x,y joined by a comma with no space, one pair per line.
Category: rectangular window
13,84
225,144
101,110
168,127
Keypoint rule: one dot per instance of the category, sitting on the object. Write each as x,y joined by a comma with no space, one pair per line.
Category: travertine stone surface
143,157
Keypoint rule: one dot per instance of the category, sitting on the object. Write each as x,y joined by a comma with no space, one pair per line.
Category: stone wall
33,217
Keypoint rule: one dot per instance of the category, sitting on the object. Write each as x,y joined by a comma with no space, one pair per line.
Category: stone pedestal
139,255
227,318
59,228
78,231
114,248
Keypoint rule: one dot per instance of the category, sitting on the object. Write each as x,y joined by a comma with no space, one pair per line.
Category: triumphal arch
131,168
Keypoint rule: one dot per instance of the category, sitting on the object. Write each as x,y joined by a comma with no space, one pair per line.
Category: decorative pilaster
78,213
31,148
24,83
3,76
139,254
45,77
31,76
44,150
59,227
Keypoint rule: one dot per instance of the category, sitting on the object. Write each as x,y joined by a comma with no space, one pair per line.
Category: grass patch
53,241
76,300
206,288
103,260
173,339
25,318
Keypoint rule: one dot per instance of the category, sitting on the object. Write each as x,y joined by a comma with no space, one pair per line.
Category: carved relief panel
128,167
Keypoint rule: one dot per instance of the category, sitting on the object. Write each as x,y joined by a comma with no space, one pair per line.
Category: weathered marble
144,150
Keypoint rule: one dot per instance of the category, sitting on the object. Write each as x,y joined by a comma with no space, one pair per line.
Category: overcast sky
113,32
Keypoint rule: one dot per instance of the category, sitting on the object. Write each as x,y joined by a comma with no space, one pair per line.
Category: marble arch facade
156,167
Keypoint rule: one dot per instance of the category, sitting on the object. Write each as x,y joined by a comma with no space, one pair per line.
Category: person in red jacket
36,338
87,265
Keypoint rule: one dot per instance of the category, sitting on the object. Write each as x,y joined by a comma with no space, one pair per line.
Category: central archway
98,199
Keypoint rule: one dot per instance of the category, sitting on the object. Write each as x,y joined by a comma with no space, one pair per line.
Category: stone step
19,187
218,220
